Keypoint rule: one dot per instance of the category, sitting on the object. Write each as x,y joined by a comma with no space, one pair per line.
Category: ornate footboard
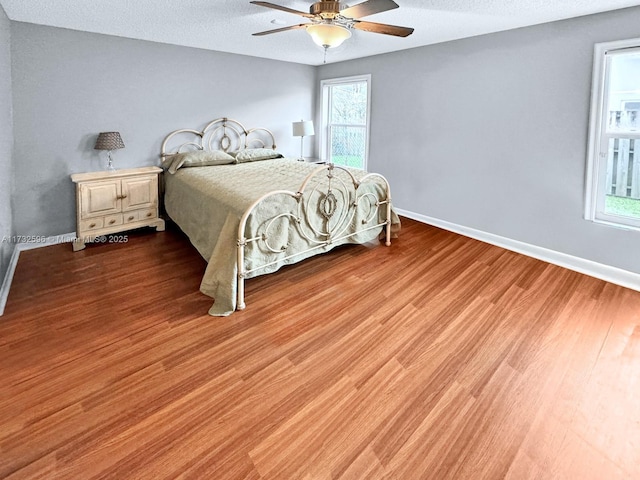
331,207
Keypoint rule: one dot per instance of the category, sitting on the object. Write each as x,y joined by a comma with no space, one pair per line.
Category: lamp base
301,159
110,167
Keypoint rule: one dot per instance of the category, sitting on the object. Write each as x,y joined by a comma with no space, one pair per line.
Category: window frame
325,102
596,156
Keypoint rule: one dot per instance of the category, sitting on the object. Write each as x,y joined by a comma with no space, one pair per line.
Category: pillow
198,158
255,154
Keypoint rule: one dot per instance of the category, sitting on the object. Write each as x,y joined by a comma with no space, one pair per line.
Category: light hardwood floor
438,357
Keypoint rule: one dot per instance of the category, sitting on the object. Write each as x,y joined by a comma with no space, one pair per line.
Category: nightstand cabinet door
139,192
100,198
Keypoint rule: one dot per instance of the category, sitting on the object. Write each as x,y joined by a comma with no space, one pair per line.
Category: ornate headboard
220,134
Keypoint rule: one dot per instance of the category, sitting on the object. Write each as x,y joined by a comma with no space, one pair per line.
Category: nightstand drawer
113,220
130,217
92,224
148,214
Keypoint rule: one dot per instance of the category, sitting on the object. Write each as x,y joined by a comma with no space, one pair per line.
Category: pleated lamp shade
109,141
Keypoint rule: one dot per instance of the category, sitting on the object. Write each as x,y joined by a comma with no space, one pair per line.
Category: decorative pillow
198,158
255,154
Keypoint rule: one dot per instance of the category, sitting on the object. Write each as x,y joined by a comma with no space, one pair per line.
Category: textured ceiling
227,25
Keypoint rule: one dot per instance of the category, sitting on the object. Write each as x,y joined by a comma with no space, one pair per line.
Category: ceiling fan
332,20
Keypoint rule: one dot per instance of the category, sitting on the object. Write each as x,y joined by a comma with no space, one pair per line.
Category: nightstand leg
160,225
78,245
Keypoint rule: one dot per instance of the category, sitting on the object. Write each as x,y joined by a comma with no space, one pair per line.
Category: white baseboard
13,262
604,272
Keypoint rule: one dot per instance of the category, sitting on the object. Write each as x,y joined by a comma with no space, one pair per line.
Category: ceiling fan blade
382,28
284,29
368,8
284,9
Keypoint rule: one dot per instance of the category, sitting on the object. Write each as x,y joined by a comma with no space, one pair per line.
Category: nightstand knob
111,222
149,214
131,218
121,197
92,225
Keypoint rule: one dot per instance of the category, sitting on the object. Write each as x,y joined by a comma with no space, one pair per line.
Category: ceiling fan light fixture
328,35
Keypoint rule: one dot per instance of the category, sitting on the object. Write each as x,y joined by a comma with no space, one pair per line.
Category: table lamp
109,141
302,129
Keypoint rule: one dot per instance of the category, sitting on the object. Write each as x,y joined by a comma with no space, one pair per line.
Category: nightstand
113,202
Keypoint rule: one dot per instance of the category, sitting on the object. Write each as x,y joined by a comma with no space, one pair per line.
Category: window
344,139
613,171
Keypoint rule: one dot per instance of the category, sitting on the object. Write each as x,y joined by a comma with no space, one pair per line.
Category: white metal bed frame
322,190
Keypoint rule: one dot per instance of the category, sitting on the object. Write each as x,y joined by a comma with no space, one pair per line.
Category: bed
249,210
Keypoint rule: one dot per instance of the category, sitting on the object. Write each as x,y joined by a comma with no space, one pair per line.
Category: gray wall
68,86
491,132
6,144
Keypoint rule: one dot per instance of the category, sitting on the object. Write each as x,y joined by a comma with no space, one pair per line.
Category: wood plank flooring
440,357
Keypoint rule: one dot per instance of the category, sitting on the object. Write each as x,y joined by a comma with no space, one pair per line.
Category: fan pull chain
326,47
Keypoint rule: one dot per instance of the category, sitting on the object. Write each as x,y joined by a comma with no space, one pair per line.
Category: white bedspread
208,202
